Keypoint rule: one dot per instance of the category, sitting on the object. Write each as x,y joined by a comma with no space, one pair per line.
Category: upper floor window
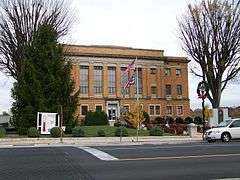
98,79
83,79
153,71
138,77
179,89
178,72
167,71
168,90
124,80
111,80
154,90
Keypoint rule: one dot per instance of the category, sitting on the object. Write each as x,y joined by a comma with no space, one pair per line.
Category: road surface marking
99,154
179,157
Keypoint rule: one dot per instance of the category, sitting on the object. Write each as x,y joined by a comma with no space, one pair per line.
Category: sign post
202,91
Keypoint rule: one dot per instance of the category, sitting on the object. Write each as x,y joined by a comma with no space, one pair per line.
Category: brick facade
157,71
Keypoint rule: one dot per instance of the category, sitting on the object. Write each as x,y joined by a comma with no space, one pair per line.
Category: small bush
55,132
188,120
120,130
179,120
198,120
169,120
179,130
77,132
159,120
101,133
2,132
33,132
22,131
146,118
97,118
169,130
156,131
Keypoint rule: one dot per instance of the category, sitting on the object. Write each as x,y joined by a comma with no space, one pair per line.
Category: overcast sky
133,23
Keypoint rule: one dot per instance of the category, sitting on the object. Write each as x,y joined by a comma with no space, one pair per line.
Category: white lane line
99,154
228,179
179,157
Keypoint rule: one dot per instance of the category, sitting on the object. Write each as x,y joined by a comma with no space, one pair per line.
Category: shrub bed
2,132
101,133
120,130
78,132
156,131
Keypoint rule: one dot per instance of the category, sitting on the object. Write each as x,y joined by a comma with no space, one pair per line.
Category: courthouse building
99,74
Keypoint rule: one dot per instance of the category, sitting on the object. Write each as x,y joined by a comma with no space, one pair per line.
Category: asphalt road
147,162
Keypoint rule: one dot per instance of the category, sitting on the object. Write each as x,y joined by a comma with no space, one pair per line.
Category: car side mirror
231,126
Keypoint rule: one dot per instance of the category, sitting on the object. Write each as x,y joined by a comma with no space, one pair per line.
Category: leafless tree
210,33
19,19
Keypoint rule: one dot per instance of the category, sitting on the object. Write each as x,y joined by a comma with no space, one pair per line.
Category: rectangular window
83,79
84,110
151,110
153,71
139,79
111,80
167,71
178,72
168,110
179,110
154,90
179,89
98,79
98,108
168,90
124,80
157,110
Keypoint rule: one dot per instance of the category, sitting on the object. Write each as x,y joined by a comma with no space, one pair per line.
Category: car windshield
224,123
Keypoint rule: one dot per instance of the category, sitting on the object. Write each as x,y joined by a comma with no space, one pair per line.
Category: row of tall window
155,110
98,81
167,71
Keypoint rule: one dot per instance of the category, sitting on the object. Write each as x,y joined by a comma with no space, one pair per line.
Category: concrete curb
99,141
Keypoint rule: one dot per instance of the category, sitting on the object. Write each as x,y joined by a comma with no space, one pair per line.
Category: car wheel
225,137
212,141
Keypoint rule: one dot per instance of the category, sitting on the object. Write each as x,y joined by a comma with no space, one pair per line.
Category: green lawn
91,131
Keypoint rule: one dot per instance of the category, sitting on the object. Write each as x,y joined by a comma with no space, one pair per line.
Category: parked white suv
226,130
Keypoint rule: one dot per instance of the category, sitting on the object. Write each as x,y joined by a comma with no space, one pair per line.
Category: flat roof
117,52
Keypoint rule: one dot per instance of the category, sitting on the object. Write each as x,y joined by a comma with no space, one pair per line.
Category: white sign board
46,121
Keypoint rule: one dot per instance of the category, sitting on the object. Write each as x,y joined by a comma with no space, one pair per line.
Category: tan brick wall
159,79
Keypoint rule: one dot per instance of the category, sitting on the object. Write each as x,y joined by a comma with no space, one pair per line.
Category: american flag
130,82
130,67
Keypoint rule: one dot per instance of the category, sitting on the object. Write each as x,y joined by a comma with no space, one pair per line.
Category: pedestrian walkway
100,141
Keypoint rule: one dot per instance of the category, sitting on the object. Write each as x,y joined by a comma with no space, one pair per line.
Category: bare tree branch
19,20
210,34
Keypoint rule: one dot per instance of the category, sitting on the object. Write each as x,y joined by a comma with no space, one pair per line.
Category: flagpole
137,100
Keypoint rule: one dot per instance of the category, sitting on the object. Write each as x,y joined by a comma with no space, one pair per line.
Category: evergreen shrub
55,132
77,132
97,118
156,131
33,132
2,132
101,133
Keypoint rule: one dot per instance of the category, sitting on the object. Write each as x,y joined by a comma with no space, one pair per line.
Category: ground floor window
169,110
98,108
84,110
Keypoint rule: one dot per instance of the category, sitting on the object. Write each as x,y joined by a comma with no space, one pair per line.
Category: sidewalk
99,141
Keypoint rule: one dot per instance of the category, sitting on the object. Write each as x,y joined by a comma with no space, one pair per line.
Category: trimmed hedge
97,118
156,131
55,132
33,132
179,120
2,132
188,120
169,120
159,120
77,132
101,133
120,130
